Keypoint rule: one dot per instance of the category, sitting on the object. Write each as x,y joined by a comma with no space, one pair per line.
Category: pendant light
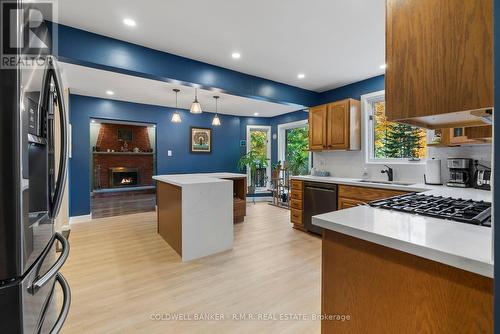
216,120
195,106
176,117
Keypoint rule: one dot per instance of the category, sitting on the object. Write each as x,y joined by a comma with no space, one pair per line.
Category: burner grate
465,211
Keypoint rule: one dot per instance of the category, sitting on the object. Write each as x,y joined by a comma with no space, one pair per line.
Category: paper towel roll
433,171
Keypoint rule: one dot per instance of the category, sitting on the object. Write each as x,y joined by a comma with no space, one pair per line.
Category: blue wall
169,136
175,137
85,48
354,90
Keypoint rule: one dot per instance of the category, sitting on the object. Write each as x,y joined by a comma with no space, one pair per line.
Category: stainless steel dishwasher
318,198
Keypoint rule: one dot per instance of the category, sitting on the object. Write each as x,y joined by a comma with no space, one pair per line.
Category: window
293,147
390,141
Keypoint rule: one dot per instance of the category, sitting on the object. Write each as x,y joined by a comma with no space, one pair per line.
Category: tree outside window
297,150
393,140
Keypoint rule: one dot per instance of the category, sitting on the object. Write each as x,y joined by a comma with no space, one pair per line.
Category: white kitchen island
195,212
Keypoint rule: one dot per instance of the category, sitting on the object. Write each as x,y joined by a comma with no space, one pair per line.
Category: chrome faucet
389,171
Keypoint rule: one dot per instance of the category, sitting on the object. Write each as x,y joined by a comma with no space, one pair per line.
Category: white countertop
460,245
197,178
465,193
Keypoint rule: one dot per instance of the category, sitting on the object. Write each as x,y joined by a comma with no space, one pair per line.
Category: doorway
122,161
259,142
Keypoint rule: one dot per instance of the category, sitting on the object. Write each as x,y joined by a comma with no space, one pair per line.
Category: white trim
367,132
266,128
281,135
80,219
259,199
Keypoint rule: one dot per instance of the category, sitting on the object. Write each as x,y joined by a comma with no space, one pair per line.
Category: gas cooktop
461,210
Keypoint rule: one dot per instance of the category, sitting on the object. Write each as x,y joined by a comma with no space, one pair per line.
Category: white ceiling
333,42
93,82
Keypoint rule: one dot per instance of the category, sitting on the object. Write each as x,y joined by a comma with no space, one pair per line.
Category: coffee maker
460,172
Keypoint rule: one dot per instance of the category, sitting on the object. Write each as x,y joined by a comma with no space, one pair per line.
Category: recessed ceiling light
301,75
383,66
110,92
129,22
236,55
93,120
256,114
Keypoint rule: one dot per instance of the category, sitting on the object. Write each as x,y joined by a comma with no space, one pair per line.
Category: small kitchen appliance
433,171
482,176
460,172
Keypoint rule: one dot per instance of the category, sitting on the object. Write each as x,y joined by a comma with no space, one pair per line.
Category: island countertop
197,178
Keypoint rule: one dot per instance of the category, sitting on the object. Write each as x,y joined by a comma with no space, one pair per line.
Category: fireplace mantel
125,153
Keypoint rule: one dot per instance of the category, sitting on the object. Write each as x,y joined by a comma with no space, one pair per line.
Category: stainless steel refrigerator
33,168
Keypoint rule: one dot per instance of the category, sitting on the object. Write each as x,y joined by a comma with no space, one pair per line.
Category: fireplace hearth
123,177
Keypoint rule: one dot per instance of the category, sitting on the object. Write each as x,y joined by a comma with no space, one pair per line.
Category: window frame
367,102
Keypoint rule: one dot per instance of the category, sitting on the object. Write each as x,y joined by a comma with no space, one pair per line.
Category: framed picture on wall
124,134
201,140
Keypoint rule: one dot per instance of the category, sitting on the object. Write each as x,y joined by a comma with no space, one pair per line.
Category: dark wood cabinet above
439,57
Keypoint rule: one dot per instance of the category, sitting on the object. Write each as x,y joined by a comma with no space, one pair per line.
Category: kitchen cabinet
335,126
483,133
439,57
350,196
296,205
460,136
385,290
346,203
317,127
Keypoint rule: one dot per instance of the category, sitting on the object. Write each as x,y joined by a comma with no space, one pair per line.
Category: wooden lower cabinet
240,198
346,203
383,290
296,204
351,196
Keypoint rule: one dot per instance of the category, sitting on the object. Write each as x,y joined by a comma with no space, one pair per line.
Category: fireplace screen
123,177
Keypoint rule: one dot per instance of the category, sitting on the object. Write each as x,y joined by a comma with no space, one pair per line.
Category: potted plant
252,160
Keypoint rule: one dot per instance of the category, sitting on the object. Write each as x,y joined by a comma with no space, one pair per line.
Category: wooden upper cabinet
337,133
439,57
317,127
461,136
335,126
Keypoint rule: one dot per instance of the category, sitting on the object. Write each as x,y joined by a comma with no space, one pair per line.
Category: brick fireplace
122,157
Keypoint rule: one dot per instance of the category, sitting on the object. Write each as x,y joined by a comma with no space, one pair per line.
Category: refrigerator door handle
41,281
65,306
53,72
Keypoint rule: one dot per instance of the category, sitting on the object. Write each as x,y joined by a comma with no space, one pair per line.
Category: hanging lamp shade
216,120
176,117
195,106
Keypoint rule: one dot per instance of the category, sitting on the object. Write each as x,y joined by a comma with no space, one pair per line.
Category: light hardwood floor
122,273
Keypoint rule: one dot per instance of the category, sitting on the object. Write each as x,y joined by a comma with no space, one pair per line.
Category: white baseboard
79,219
259,199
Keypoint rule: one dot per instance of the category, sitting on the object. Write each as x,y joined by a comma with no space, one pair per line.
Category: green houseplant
252,160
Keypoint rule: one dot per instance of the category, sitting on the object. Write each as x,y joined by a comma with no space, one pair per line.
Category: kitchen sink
387,182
